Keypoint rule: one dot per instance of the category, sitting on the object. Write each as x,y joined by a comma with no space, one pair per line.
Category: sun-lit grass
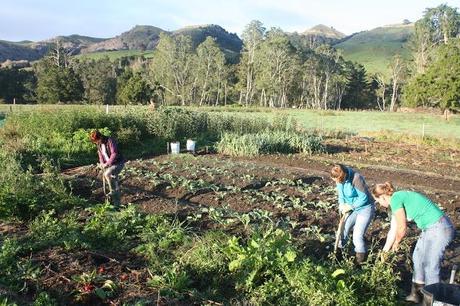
113,55
375,49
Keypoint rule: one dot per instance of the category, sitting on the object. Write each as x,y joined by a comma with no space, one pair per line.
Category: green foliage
269,142
212,74
16,84
17,274
264,255
159,236
4,302
48,230
99,81
172,67
64,136
439,86
133,89
109,229
44,299
23,195
177,123
57,84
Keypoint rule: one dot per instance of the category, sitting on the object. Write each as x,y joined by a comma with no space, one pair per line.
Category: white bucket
175,147
191,145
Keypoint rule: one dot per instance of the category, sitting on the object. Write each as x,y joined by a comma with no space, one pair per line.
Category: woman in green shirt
437,232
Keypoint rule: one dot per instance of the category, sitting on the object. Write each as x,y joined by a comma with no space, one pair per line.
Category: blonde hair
383,189
339,172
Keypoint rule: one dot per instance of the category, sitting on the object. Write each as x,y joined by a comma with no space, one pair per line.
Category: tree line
275,69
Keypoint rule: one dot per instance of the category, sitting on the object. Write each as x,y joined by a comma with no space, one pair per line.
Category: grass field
359,122
365,122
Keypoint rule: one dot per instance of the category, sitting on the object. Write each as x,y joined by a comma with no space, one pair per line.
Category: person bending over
111,162
355,200
437,232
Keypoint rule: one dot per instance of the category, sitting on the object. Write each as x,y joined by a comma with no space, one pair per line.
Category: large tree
253,35
172,68
99,80
437,26
17,85
133,89
275,68
57,83
439,86
211,72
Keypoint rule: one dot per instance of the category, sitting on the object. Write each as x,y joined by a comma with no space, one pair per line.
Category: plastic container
191,145
175,147
440,294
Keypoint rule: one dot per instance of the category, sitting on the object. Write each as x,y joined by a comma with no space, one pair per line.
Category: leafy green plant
93,283
44,299
159,236
264,255
106,228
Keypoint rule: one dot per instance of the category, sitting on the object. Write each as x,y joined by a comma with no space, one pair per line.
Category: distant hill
324,31
21,51
226,40
316,36
375,49
141,37
137,41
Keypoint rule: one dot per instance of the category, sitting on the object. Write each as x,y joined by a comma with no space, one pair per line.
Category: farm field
205,228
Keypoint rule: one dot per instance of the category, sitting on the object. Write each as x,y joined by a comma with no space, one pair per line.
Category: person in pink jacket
111,161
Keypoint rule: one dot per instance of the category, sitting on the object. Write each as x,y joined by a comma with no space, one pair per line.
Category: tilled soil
293,191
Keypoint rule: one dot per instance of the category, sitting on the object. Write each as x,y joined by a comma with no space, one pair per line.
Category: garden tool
104,184
339,233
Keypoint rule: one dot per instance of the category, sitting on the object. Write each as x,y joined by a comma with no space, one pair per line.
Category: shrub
177,124
24,195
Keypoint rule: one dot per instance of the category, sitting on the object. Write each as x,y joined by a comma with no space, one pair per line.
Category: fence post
107,109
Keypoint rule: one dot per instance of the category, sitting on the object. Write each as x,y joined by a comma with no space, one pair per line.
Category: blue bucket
440,294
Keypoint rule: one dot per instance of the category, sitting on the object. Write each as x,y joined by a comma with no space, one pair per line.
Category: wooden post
107,109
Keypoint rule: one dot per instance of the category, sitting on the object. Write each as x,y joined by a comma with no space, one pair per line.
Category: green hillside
224,39
374,49
113,55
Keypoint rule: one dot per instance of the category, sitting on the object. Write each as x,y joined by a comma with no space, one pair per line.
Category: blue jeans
359,221
429,251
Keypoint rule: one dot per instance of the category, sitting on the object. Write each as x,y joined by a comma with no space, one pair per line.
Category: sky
43,19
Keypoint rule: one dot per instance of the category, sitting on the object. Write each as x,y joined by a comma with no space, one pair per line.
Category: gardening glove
345,208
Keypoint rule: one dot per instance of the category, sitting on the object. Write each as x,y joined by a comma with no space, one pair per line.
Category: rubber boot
339,254
360,258
415,295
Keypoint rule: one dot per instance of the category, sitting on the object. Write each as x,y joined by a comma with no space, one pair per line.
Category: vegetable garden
249,219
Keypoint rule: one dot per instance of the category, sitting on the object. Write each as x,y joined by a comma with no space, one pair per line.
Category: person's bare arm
391,236
401,226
